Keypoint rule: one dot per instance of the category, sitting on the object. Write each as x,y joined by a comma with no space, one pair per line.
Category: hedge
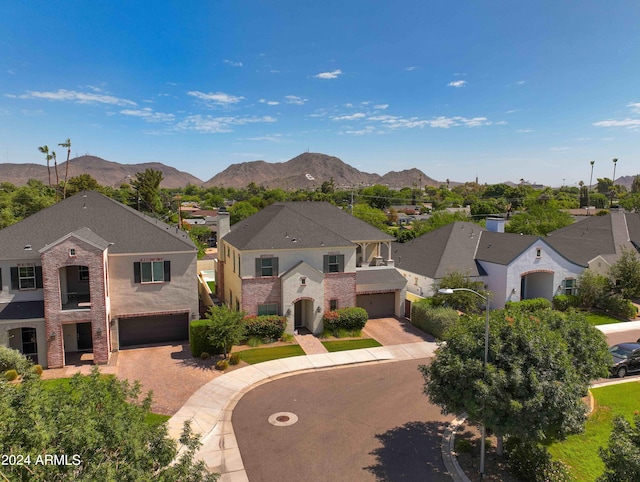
433,320
199,339
264,327
617,305
535,304
13,359
564,302
350,319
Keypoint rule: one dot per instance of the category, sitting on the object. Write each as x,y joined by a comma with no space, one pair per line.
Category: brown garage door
143,330
379,305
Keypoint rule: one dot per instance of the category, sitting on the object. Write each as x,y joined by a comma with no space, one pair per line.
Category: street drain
283,419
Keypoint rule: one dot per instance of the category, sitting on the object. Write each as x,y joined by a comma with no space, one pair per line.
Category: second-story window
152,271
26,277
266,267
334,263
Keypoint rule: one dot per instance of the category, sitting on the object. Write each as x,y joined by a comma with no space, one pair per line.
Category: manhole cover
283,419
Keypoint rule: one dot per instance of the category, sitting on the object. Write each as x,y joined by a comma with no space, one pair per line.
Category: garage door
143,330
379,305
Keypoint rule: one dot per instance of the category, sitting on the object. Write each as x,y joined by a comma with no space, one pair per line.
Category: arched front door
537,284
302,313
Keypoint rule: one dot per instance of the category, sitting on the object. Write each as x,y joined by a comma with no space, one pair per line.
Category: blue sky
499,89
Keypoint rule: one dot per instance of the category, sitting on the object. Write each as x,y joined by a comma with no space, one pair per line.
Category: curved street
359,423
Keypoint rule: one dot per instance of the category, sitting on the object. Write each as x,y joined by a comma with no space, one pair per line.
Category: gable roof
502,248
95,216
446,249
295,225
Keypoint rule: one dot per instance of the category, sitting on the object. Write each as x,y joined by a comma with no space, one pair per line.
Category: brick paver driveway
169,370
392,331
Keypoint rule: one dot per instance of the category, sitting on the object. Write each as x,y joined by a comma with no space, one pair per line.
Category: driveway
393,331
363,423
168,370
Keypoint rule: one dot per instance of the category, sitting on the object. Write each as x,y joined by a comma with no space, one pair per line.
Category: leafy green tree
486,208
147,190
378,196
241,210
532,388
82,182
539,220
373,216
635,185
99,423
626,273
437,220
224,327
604,185
631,202
592,287
621,457
464,301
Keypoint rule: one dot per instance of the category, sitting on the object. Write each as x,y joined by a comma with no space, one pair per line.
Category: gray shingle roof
502,248
92,212
389,277
434,254
298,225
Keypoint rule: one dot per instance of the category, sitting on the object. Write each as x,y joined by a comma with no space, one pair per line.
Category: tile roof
296,225
91,212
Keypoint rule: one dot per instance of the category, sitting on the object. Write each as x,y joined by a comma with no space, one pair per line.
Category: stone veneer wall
259,291
54,258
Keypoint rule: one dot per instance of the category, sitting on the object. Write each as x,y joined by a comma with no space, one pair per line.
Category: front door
297,314
85,341
29,344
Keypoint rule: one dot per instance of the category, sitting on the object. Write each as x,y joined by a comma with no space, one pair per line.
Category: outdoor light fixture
450,291
288,311
318,309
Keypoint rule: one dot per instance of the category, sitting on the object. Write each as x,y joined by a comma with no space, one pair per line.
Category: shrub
11,375
532,462
463,446
222,365
535,304
351,319
433,320
564,302
37,369
286,337
234,359
198,338
204,355
265,327
617,305
254,342
13,359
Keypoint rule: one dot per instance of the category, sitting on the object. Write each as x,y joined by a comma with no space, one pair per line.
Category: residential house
89,274
300,259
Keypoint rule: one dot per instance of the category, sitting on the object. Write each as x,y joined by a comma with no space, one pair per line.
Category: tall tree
45,150
55,165
626,273
620,457
539,220
66,144
147,190
224,327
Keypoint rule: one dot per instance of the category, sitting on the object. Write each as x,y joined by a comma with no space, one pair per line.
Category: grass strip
259,355
342,345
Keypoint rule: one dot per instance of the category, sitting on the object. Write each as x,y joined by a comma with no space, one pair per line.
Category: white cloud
635,107
348,105
79,97
457,83
442,122
412,67
520,82
329,75
361,132
149,115
631,123
381,106
269,102
232,63
273,71
213,125
524,131
512,111
216,97
271,138
356,116
559,149
294,99
396,122
501,123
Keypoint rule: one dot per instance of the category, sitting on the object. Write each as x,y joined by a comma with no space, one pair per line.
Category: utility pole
613,181
589,191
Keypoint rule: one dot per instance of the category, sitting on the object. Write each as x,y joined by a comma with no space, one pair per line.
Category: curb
448,453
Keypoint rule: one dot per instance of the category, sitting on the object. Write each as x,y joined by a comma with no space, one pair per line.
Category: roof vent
27,247
84,206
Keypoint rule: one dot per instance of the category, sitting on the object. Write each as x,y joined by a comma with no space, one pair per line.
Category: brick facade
341,287
259,291
54,259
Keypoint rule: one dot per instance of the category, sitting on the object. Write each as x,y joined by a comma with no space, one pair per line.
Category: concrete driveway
393,331
168,370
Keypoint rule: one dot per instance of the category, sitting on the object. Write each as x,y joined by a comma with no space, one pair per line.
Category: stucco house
300,259
515,266
89,274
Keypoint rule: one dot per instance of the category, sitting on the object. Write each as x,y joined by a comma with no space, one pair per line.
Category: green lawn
601,319
258,355
580,452
212,286
341,345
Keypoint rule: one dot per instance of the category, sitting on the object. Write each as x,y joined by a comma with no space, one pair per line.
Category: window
569,286
334,263
333,305
266,267
538,252
303,281
72,252
26,277
83,273
268,309
152,271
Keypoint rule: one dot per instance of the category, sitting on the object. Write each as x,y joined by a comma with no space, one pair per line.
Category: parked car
626,358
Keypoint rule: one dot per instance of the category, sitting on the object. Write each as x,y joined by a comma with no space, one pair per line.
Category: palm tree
55,164
45,151
66,144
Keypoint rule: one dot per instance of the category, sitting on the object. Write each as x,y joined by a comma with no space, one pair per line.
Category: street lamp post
450,291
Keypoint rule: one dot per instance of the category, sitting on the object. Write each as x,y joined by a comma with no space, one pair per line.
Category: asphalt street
354,424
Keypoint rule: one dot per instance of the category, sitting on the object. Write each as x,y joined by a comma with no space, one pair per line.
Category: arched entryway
303,313
536,284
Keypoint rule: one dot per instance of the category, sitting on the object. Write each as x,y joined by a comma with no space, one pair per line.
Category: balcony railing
76,301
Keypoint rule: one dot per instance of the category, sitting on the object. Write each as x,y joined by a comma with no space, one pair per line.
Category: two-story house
300,259
91,275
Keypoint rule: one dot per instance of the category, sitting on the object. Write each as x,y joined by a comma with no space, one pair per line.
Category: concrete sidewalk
211,407
619,327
